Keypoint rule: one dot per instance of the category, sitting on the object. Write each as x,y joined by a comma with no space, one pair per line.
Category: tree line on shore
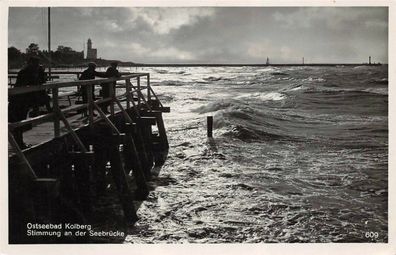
63,57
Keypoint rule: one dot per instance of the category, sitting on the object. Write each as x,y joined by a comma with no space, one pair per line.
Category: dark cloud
211,35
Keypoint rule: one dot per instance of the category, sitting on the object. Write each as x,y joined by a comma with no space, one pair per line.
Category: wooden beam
126,115
72,133
108,121
20,154
51,85
140,95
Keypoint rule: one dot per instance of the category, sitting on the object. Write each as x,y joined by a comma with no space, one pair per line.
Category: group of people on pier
90,73
33,74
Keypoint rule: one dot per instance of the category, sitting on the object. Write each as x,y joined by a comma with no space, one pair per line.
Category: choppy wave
345,91
300,156
250,134
314,79
380,91
169,83
383,81
275,96
278,73
215,106
161,71
211,78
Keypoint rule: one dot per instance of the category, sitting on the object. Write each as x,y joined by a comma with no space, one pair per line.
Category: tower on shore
267,62
91,52
369,60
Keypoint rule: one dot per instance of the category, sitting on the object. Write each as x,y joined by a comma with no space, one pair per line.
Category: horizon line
250,64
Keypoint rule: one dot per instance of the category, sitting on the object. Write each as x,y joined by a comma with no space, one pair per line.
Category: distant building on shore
91,52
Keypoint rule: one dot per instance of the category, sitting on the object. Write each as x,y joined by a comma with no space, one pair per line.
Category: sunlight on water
299,155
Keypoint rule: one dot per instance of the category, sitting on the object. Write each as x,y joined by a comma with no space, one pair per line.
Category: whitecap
380,91
274,96
295,88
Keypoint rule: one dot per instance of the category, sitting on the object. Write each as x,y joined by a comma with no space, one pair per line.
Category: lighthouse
91,52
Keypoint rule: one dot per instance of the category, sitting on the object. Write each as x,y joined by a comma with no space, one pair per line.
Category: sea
298,154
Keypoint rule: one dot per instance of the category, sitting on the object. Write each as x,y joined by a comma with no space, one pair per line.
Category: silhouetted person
89,74
40,98
32,74
107,87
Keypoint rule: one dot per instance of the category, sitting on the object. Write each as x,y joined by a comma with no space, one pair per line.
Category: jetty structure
62,178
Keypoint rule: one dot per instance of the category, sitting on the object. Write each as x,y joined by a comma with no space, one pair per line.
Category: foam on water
299,154
285,165
263,96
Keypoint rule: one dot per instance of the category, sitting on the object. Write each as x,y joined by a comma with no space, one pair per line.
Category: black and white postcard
258,127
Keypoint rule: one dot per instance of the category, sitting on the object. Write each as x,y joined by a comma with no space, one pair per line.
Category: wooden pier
61,178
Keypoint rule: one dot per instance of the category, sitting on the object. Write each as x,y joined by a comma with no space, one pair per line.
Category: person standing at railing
89,74
40,98
107,87
31,75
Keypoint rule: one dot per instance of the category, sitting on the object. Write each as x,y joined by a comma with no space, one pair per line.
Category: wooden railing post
156,97
58,114
107,120
90,104
55,106
128,92
73,134
148,89
138,86
141,97
112,96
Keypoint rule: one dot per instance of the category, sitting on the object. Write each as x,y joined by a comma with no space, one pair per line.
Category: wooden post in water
82,162
99,173
132,161
162,131
120,180
210,126
140,143
142,152
144,131
159,143
161,148
68,187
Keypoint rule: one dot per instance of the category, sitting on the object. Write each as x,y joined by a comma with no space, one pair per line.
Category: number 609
372,235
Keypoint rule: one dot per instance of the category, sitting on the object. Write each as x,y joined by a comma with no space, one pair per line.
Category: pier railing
132,91
69,171
12,75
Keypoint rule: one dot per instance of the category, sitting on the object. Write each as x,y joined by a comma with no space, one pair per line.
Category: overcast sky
211,35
